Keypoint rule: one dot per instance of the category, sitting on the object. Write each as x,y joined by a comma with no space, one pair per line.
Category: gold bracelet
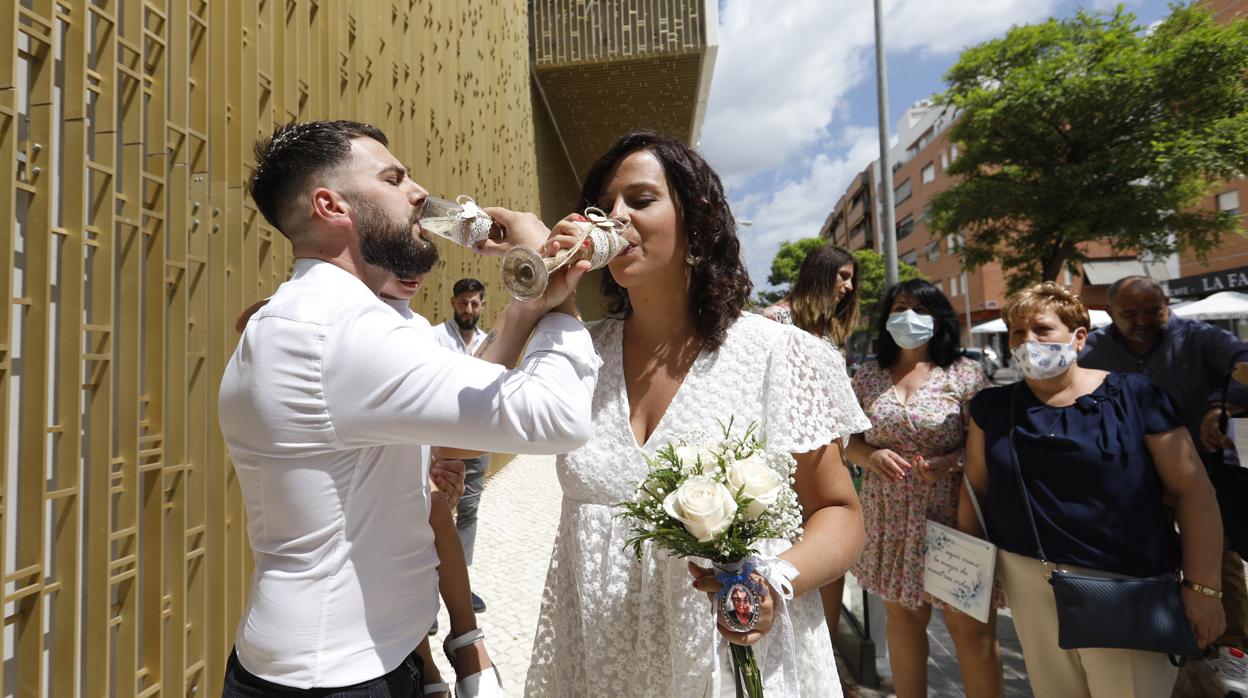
1202,589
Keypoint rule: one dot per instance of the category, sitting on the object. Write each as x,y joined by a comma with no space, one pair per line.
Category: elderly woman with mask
1095,457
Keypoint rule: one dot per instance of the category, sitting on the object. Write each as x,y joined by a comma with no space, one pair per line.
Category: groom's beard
389,243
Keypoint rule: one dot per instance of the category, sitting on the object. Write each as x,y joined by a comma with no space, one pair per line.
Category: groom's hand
704,580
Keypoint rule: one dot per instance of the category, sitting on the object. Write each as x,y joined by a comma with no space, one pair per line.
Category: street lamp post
889,233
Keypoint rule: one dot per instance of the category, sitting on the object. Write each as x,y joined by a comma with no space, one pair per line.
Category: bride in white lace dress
683,359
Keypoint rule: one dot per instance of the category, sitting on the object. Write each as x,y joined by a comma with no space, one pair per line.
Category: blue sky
792,113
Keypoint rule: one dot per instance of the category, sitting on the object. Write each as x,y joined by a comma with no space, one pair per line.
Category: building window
929,173
901,193
904,227
953,152
954,243
925,138
911,258
932,251
953,286
1229,201
944,161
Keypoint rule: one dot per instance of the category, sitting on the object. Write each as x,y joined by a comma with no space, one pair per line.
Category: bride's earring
690,259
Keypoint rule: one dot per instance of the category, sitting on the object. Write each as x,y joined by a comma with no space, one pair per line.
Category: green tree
1092,129
784,268
871,290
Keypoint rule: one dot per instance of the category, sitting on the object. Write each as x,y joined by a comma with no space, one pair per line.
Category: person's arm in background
1223,351
883,461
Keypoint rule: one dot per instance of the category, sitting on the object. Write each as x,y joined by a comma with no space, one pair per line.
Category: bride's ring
739,607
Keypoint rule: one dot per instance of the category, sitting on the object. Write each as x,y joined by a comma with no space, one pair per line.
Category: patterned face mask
1041,360
910,329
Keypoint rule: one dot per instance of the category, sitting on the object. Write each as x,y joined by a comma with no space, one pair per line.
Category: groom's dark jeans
407,681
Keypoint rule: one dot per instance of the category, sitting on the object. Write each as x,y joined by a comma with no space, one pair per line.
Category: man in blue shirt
1189,360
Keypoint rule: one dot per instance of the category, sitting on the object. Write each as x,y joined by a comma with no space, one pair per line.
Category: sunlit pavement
516,523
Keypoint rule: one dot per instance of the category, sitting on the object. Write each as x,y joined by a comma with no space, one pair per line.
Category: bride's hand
704,580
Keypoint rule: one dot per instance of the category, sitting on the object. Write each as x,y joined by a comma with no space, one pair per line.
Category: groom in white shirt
331,399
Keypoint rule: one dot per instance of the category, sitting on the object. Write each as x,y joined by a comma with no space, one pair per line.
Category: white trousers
1084,673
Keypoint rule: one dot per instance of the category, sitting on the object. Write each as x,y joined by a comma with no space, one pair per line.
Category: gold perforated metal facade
125,135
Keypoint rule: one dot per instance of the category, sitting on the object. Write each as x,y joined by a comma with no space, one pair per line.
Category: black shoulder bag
1114,611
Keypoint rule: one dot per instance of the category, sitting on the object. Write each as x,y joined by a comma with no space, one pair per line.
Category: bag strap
979,513
1018,473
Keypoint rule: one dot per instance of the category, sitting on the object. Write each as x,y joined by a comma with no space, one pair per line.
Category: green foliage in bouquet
714,498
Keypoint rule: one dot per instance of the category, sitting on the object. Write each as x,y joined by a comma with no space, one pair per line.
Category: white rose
690,456
755,480
704,506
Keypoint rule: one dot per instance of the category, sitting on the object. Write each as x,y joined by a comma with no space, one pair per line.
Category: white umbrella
1099,318
1227,305
990,327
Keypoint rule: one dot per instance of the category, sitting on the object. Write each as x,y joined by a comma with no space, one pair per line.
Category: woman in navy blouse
1102,454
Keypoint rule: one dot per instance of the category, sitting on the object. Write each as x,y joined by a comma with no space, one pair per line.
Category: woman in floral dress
680,358
916,396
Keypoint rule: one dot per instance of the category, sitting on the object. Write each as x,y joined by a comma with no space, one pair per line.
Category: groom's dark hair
719,285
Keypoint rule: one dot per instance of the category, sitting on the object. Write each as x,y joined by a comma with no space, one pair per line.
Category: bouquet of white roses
715,498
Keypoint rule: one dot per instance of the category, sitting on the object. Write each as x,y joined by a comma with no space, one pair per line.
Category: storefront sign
1202,284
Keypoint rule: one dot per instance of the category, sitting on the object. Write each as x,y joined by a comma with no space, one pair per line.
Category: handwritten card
958,570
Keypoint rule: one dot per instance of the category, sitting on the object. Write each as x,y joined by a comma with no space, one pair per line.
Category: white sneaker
1231,666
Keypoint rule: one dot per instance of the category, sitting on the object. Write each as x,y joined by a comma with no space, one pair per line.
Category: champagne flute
461,221
526,274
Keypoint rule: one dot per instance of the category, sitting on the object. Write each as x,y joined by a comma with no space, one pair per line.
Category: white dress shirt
328,407
447,334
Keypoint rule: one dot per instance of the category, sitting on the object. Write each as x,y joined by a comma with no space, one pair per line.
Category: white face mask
1041,360
910,329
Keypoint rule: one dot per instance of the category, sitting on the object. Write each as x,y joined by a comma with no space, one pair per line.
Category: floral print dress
933,421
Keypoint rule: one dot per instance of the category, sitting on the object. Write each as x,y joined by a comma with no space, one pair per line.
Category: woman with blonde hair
824,298
824,302
1072,468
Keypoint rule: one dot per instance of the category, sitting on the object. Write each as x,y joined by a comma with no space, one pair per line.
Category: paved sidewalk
518,517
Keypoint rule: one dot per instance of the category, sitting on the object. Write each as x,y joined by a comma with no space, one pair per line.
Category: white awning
1103,272
1099,318
1227,305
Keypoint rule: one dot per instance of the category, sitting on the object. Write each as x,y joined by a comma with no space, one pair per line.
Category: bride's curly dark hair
719,284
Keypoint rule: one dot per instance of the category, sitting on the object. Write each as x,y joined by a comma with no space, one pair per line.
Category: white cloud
785,66
948,27
797,208
781,78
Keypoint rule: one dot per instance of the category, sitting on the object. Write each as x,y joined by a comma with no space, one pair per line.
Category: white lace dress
610,625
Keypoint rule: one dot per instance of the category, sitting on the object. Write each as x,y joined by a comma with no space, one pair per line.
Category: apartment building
920,158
